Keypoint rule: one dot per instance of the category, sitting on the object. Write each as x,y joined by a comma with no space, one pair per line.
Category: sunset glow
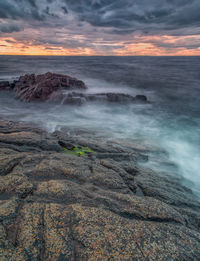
144,45
95,27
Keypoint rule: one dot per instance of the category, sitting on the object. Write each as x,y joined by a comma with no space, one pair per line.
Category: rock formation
80,98
52,87
4,85
40,87
100,206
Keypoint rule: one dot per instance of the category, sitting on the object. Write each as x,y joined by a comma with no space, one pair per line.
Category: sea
169,123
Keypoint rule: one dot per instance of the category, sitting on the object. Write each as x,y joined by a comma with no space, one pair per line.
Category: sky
100,27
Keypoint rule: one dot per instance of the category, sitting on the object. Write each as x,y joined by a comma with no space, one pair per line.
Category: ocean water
171,122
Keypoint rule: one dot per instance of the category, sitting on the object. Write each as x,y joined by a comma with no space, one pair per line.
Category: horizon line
45,55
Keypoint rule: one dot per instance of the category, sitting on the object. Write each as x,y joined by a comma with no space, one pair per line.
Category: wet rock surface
63,89
80,98
31,87
4,85
57,206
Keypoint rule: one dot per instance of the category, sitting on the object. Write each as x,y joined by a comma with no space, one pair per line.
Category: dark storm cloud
128,15
50,1
122,16
9,28
48,12
30,2
8,10
64,10
69,43
20,9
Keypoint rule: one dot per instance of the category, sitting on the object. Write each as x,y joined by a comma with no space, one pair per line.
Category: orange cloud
162,45
139,45
8,46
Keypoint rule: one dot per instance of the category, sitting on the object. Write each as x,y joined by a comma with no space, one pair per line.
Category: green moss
79,151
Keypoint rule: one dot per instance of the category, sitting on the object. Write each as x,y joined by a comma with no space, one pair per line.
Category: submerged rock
114,97
80,98
55,206
42,87
141,98
70,99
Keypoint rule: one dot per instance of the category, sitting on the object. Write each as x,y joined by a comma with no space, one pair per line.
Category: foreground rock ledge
55,206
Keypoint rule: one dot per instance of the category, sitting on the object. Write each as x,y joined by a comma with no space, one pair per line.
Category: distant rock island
53,87
71,195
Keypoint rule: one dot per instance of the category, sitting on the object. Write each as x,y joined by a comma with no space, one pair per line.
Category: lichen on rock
79,151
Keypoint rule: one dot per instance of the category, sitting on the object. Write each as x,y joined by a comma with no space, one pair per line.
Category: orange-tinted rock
55,206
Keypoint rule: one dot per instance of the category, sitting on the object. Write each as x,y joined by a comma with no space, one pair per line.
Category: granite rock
55,206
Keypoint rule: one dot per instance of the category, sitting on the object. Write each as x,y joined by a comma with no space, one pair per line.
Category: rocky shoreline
71,195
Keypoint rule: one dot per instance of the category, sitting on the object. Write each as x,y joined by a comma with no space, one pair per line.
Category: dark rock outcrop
115,97
141,98
42,87
80,98
4,85
56,206
51,87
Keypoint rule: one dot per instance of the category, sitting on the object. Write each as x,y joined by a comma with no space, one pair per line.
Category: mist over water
171,122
